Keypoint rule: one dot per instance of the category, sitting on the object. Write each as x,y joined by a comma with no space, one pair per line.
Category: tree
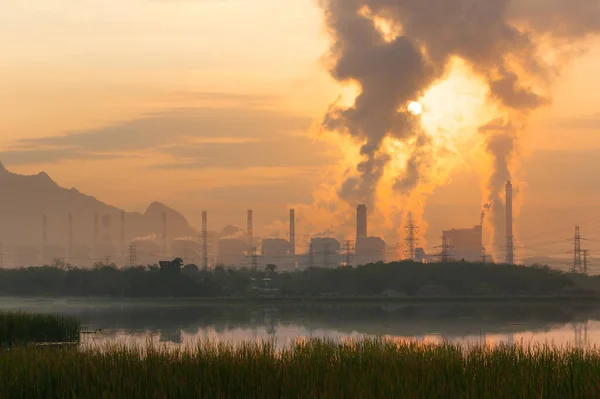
172,266
271,268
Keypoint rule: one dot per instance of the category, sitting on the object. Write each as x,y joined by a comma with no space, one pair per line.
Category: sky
212,104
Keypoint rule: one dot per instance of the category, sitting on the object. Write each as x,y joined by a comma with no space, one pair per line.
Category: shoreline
246,301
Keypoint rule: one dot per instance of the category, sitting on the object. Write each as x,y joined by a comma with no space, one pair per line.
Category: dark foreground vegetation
315,369
173,279
18,328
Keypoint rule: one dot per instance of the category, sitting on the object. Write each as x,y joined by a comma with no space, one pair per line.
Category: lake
185,323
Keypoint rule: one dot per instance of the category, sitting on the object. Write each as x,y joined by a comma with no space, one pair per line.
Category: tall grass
18,328
314,369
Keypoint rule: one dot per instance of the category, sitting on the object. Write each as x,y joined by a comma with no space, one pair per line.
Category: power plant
238,247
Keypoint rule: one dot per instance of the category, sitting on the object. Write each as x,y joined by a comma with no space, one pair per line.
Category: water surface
185,323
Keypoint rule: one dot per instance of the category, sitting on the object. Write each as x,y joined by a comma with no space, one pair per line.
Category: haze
212,105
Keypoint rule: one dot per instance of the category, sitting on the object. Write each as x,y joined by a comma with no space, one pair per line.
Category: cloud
589,122
196,138
281,151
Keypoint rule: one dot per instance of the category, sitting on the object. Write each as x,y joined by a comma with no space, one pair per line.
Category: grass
19,328
313,369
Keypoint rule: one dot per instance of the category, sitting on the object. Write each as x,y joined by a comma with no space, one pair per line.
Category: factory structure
238,247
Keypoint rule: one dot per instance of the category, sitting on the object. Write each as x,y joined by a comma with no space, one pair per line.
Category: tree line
174,279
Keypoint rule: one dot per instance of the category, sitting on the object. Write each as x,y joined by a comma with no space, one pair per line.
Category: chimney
361,221
293,231
510,256
250,238
205,239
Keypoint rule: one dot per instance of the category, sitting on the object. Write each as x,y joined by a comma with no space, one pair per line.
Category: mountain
24,200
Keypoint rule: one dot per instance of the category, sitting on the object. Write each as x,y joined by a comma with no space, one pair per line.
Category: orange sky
208,104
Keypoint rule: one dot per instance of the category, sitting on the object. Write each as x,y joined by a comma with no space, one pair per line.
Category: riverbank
18,328
318,369
357,300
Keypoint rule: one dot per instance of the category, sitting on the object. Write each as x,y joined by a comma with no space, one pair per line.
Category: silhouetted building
465,244
369,250
324,252
279,252
420,255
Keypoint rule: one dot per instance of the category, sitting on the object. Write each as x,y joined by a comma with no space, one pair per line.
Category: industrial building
465,244
324,252
367,249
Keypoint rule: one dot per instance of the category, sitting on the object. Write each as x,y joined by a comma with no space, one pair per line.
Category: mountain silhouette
25,199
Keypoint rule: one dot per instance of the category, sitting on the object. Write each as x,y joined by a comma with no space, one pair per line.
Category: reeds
314,369
19,328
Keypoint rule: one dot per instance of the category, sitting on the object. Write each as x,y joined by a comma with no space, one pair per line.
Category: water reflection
185,324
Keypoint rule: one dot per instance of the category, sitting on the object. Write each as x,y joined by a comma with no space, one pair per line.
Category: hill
25,199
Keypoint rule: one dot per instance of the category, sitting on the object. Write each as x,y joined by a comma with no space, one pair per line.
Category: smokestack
361,221
205,239
510,256
250,238
293,231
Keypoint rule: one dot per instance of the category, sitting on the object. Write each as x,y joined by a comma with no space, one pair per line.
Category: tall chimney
205,239
293,231
250,238
510,256
361,221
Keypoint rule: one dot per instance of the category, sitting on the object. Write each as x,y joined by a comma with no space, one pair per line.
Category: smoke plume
395,50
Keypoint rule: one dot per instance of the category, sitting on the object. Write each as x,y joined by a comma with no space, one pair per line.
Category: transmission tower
348,252
411,240
483,255
577,266
1,255
132,255
586,254
445,247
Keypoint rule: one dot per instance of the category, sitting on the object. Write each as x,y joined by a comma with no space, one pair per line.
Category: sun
415,108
